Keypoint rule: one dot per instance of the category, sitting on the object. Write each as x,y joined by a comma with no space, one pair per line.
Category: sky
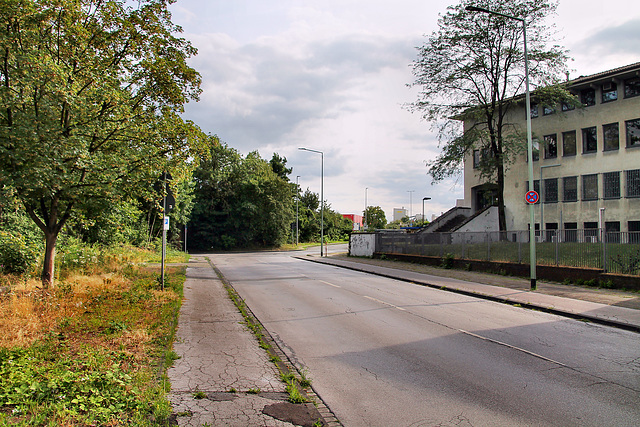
333,76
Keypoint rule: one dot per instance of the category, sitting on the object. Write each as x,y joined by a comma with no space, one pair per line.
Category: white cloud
331,75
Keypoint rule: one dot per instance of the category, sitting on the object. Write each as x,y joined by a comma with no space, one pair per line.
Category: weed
593,283
304,380
254,391
294,394
607,284
318,423
199,395
566,282
233,390
447,261
275,359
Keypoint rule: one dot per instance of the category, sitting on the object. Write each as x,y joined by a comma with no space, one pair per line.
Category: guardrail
614,252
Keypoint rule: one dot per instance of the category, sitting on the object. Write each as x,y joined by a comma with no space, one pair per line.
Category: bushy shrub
16,255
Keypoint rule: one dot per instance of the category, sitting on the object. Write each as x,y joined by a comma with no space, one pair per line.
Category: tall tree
239,202
376,218
279,166
472,68
90,96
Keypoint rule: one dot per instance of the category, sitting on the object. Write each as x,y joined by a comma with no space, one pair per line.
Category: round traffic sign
532,197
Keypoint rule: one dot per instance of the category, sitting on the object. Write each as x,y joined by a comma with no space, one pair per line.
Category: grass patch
93,349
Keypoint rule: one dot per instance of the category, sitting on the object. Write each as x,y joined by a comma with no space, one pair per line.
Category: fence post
557,243
488,246
604,250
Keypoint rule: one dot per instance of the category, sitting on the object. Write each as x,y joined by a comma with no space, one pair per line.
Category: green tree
90,98
376,218
279,166
472,67
239,202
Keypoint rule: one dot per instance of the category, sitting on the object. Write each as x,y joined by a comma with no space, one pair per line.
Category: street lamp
424,199
410,203
321,195
532,231
297,199
365,206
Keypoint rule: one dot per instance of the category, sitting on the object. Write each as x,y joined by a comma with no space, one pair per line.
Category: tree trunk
502,220
49,258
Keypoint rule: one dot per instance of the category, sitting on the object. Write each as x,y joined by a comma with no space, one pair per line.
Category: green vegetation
91,101
93,350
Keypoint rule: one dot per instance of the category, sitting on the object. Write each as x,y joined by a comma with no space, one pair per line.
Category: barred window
570,188
590,187
611,181
633,183
551,190
611,136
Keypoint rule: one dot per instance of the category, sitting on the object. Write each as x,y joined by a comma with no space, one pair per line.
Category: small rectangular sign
166,223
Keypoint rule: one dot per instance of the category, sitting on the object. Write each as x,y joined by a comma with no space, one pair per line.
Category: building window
570,231
632,87
547,111
551,190
612,231
566,106
611,184
534,111
476,159
536,149
634,231
589,140
588,97
633,133
633,183
570,189
609,92
591,231
550,147
611,136
590,187
569,143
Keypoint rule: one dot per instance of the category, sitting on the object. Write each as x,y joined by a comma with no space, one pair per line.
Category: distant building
585,160
357,221
399,213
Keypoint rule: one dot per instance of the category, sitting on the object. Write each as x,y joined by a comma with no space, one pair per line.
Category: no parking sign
531,197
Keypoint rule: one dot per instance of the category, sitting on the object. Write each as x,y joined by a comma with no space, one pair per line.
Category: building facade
586,160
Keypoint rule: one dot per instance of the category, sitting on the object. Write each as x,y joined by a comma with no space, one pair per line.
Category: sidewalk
613,308
223,377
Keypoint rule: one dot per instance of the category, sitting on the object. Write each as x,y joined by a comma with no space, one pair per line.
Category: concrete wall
362,244
486,221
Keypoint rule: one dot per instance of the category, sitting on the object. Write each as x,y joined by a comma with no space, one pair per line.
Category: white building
587,159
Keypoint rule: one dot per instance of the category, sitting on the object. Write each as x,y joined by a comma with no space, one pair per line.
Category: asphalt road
382,352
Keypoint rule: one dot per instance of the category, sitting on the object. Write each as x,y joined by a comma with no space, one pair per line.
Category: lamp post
532,231
365,206
410,203
424,199
321,195
297,199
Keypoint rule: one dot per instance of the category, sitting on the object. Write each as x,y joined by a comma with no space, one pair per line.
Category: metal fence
615,252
